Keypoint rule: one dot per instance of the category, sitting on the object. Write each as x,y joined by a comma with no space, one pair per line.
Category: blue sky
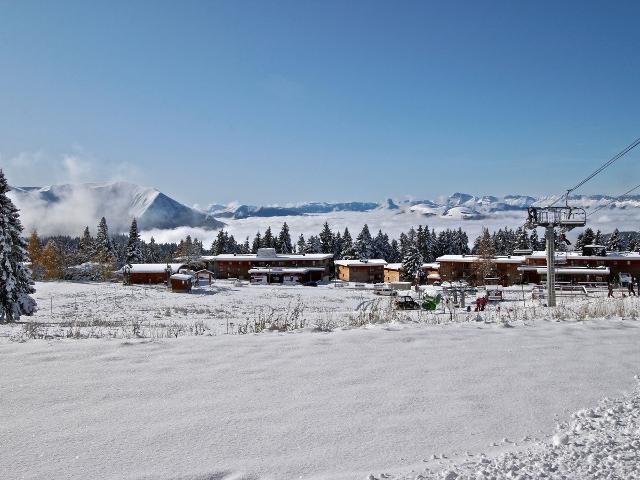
274,102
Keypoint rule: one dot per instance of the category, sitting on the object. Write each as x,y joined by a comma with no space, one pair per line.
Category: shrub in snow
28,305
86,271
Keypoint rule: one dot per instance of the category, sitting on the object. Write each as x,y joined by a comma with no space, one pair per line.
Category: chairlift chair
564,217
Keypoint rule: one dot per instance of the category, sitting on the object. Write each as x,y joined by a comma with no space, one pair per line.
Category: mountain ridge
119,202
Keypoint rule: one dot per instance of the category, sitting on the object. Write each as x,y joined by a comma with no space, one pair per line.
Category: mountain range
462,206
67,208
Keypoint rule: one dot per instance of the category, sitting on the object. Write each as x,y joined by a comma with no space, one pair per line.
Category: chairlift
564,217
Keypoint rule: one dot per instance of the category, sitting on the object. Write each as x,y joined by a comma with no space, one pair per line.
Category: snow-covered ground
402,399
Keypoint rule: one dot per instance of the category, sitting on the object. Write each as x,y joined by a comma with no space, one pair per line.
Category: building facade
592,264
361,271
502,270
392,272
238,266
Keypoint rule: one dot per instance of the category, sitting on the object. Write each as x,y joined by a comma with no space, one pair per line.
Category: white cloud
40,168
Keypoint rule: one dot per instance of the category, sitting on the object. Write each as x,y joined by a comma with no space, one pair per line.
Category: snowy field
397,400
99,310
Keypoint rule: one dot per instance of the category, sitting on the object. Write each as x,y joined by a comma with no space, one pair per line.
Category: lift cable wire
607,164
613,200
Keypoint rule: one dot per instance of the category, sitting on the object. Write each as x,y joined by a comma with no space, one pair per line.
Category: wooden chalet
149,273
504,269
392,272
361,271
181,283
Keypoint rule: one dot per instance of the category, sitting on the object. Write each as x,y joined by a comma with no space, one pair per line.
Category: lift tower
564,218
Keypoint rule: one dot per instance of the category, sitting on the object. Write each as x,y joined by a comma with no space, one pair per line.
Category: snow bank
596,443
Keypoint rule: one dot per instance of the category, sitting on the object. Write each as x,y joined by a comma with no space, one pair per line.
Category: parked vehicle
384,289
406,302
310,284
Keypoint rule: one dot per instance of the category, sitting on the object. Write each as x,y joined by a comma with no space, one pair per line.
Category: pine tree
86,247
614,244
597,239
381,246
394,256
15,278
246,247
103,252
34,249
267,240
326,239
347,250
588,237
284,240
152,251
364,243
257,243
301,245
337,245
314,245
134,248
412,262
461,242
218,247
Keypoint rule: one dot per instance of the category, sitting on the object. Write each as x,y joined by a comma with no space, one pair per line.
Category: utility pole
551,266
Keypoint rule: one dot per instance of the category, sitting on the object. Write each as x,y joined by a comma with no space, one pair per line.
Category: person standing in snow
631,290
610,287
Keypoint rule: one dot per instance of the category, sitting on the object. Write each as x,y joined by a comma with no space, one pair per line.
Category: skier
610,288
631,290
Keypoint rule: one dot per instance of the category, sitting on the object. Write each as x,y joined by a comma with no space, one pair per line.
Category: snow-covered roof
576,271
609,255
252,257
151,267
362,263
431,266
393,266
181,276
285,270
433,276
475,258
